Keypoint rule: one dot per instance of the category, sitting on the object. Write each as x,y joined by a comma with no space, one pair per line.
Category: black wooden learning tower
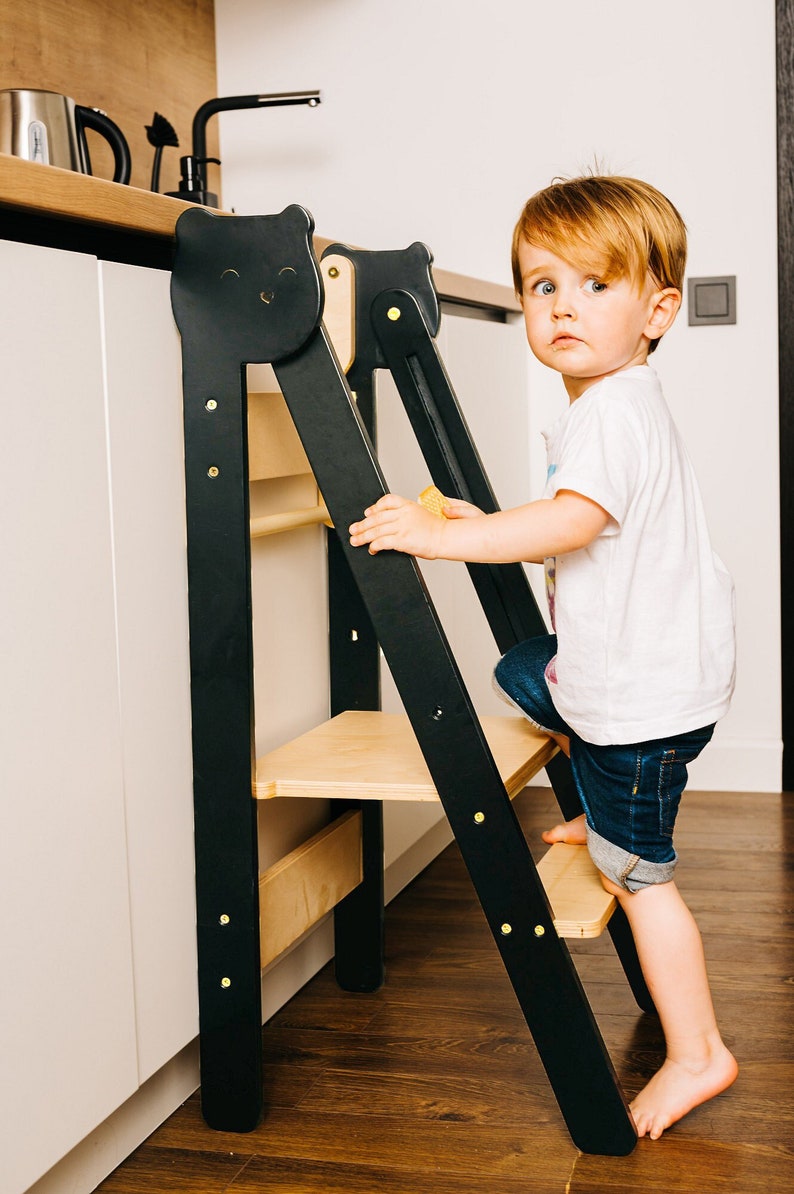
249,290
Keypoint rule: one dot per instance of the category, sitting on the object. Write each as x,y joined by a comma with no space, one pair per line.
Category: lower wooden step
580,905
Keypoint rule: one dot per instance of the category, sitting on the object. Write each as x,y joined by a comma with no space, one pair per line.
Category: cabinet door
67,1017
144,388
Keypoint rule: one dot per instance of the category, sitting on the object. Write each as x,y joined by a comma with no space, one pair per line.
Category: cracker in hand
433,500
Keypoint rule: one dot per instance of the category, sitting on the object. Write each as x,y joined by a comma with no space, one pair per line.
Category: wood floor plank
454,1098
273,1174
395,1144
153,1170
428,1054
686,1167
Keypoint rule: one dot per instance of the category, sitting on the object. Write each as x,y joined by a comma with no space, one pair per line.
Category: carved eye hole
229,273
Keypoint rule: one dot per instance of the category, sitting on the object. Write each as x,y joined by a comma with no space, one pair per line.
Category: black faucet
192,185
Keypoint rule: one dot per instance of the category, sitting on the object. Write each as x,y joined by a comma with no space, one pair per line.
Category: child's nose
563,306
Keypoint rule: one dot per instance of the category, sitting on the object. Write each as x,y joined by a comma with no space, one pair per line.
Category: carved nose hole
266,296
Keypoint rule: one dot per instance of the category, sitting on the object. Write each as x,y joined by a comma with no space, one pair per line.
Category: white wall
439,119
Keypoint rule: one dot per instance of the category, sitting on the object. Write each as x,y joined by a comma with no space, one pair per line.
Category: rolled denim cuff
629,871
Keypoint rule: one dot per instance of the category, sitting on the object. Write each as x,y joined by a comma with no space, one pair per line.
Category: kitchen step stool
248,290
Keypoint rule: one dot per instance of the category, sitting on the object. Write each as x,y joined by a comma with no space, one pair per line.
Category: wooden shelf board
375,756
307,884
68,195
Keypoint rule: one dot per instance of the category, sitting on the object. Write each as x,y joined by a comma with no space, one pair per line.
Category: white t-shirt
645,614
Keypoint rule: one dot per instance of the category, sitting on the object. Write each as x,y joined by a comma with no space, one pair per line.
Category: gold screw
479,818
213,471
223,918
226,982
540,931
506,930
211,404
393,313
333,272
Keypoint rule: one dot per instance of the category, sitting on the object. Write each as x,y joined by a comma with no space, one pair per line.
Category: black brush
159,133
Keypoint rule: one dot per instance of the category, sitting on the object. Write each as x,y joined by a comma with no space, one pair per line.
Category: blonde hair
619,227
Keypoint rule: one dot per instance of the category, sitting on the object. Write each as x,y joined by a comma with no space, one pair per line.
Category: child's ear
664,310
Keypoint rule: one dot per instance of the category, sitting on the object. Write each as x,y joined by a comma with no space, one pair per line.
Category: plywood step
375,756
579,903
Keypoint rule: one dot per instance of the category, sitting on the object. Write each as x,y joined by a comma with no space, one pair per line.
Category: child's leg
631,794
697,1066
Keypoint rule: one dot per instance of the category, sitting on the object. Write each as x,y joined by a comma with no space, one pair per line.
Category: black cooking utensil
159,133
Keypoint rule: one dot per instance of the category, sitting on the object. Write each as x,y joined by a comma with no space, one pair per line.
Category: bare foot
573,833
676,1088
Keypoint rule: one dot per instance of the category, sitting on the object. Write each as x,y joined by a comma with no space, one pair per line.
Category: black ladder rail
396,327
354,659
359,930
260,321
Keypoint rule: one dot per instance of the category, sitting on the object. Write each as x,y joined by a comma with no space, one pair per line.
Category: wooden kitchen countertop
95,203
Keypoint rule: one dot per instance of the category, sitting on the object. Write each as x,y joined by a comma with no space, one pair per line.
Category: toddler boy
641,664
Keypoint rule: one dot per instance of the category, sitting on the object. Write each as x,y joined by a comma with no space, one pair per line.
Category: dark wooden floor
433,1086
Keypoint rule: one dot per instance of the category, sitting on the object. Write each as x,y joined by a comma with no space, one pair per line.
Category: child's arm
528,533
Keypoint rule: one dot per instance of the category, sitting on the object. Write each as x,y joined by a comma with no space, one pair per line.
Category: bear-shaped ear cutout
248,285
388,269
419,253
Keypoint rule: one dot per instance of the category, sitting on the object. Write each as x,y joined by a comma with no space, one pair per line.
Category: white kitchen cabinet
144,393
67,1006
95,765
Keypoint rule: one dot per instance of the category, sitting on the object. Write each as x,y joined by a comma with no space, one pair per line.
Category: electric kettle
43,126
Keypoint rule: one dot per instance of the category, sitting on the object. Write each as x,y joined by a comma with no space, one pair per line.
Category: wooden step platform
580,904
375,756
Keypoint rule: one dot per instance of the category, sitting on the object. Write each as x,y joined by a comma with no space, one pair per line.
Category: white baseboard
733,765
81,1170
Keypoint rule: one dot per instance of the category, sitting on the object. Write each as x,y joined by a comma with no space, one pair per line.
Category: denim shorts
630,792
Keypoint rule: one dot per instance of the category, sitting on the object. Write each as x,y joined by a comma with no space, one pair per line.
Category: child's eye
543,288
593,286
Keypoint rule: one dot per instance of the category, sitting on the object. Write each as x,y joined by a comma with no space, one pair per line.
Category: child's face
586,329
